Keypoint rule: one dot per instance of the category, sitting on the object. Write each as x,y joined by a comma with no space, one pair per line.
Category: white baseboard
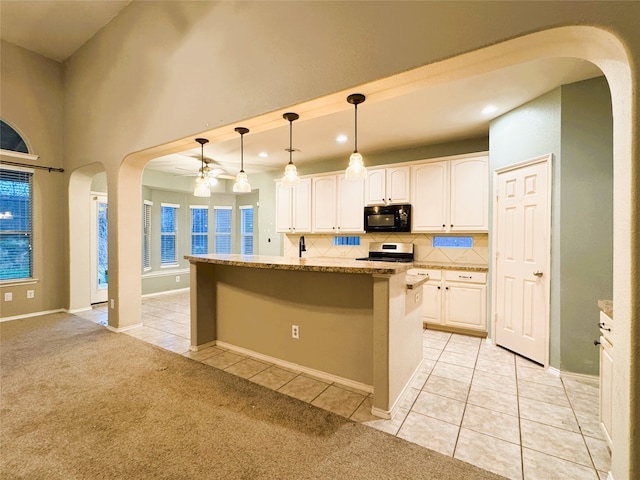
389,414
34,314
299,368
554,371
124,329
166,292
580,377
197,348
80,310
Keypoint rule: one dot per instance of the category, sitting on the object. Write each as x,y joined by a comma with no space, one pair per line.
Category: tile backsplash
322,246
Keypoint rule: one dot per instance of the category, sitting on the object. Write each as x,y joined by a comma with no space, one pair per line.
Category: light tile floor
472,400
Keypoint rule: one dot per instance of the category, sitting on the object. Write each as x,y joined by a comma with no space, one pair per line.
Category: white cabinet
606,376
385,186
455,300
337,205
451,195
293,207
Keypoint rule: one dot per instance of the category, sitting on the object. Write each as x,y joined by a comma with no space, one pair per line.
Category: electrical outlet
177,278
8,296
417,297
31,293
295,331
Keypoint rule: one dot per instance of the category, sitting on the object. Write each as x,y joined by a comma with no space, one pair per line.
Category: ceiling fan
209,172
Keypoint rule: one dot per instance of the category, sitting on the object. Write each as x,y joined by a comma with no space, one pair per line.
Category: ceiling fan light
202,188
242,183
356,169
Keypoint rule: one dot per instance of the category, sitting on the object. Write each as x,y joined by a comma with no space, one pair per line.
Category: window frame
30,180
216,235
169,234
243,234
199,234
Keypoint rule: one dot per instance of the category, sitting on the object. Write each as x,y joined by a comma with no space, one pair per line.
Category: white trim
124,329
203,207
10,155
172,205
610,476
166,292
554,371
147,202
79,310
593,380
493,315
17,169
222,207
197,348
18,282
294,366
245,207
166,273
34,314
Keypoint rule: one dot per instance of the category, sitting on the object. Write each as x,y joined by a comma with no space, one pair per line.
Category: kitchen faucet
301,246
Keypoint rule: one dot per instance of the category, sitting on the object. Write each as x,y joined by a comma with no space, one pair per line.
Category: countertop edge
607,307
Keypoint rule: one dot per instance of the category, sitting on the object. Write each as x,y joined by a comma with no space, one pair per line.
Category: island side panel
334,313
203,304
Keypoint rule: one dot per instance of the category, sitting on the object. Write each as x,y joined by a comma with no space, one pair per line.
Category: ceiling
431,115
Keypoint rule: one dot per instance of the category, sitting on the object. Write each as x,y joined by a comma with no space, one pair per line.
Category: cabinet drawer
433,274
467,277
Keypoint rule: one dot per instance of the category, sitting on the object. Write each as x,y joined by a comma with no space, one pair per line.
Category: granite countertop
415,281
451,266
310,264
607,307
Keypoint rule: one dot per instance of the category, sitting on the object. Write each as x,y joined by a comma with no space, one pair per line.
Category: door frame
548,159
96,295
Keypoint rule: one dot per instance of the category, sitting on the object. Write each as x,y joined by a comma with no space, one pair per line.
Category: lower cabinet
455,301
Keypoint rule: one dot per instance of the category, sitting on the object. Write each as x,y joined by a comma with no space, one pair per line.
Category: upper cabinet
337,205
385,186
451,195
293,207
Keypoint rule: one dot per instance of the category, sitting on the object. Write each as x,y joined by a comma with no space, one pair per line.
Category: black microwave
387,218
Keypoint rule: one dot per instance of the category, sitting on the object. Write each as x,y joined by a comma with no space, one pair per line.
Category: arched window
16,192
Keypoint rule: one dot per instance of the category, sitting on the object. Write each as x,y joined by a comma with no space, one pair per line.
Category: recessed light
342,138
263,154
489,109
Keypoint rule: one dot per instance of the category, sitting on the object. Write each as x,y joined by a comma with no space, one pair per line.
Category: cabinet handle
452,225
443,225
602,327
446,288
438,287
464,276
389,200
596,343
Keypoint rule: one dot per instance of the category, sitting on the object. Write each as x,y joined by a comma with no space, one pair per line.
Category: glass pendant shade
291,178
242,183
356,169
202,187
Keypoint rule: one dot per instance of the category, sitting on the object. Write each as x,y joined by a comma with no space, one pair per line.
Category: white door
522,246
99,250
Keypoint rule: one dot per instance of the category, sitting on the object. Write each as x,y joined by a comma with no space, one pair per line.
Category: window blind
168,230
222,229
15,224
199,230
146,235
246,230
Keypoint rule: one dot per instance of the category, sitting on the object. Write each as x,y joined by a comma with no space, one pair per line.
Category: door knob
538,273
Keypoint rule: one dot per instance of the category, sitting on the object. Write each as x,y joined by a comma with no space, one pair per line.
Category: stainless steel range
389,252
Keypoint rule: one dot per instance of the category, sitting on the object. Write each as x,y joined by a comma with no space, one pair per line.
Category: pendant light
356,169
290,178
202,183
242,182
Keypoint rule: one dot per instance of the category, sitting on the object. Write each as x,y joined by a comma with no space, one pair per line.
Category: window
168,230
222,229
452,242
199,229
246,230
146,235
16,187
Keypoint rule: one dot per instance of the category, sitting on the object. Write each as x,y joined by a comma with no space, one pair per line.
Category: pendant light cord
242,152
356,129
290,141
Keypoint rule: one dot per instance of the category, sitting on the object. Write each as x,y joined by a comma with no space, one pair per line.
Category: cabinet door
375,187
302,206
469,194
284,208
430,195
323,205
606,374
398,185
465,305
350,205
432,301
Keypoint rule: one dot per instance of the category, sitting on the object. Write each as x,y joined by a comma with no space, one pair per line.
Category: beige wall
31,93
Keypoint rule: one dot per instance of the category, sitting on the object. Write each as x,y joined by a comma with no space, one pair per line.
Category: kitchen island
359,323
